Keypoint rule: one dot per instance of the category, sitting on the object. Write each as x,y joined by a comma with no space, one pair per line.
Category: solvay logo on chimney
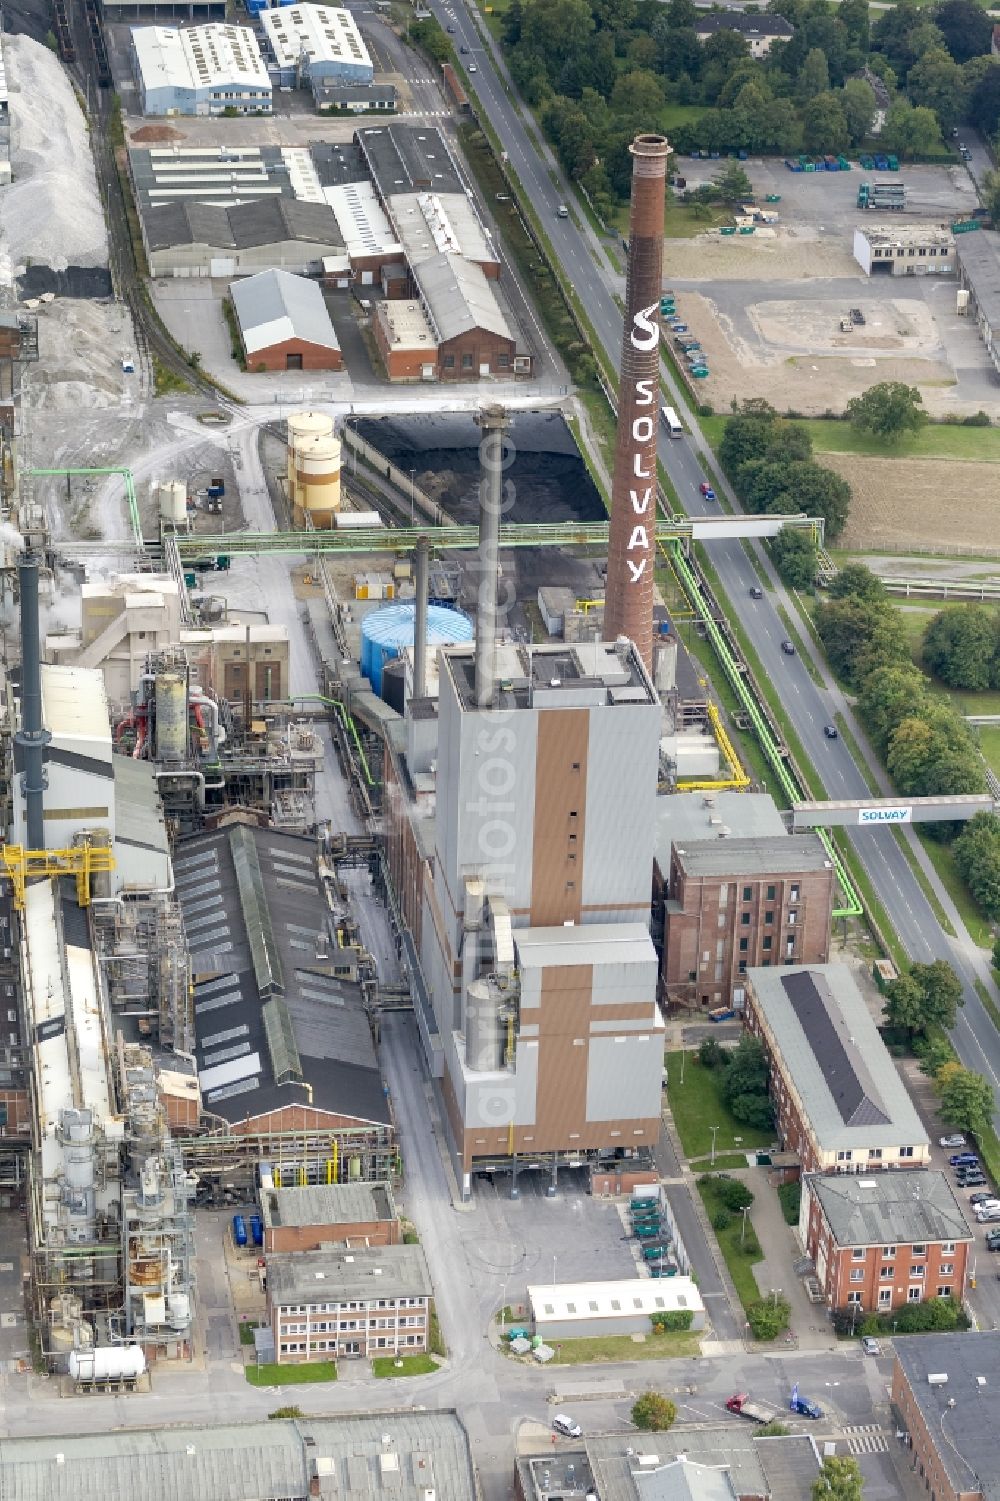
650,336
645,336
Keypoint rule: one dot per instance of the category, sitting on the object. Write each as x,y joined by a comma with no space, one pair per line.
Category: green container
746,229
729,229
699,374
843,164
190,581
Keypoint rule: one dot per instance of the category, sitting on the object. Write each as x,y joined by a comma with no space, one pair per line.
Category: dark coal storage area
549,478
75,281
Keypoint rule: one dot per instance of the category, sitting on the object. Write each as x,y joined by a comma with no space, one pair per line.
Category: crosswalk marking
866,1438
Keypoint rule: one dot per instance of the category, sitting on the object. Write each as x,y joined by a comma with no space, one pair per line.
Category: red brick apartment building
839,1103
946,1398
737,904
882,1241
327,1305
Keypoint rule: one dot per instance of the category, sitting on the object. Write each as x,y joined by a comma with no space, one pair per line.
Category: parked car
788,648
756,592
128,364
857,316
830,731
961,1173
987,1201
805,1407
993,1240
974,1180
988,1216
563,1423
871,1346
964,1159
952,1142
981,1198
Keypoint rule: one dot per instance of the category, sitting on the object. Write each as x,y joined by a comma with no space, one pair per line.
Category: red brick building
283,324
883,1241
946,1399
735,904
348,1214
839,1102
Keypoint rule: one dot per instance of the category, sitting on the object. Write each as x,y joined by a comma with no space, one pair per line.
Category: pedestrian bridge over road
877,812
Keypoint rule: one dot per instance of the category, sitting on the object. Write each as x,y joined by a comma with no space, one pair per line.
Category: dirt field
787,255
809,383
901,504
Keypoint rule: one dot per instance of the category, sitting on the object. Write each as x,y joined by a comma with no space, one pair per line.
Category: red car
704,487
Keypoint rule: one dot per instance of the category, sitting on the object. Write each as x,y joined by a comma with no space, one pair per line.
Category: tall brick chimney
628,608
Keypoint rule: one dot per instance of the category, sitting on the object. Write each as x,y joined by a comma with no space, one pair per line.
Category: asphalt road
808,706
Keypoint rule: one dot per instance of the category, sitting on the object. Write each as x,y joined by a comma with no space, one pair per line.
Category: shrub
711,1054
768,1317
734,1194
790,1199
721,1219
676,1319
749,1245
653,1412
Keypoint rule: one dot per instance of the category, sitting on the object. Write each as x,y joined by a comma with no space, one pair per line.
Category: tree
977,855
637,95
839,1479
888,695
513,18
966,28
856,581
996,952
857,100
859,635
932,754
653,1412
814,76
746,436
903,1007
734,1194
754,1110
824,124
732,184
911,132
747,1069
984,106
937,81
887,410
966,1097
941,992
795,557
768,1317
961,647
989,191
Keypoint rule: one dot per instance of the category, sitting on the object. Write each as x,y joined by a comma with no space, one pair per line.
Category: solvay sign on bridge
885,815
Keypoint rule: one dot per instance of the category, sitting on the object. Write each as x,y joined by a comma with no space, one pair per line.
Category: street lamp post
743,1232
714,1130
683,1057
412,494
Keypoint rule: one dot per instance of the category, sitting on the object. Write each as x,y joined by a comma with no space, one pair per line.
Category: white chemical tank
962,302
108,1363
178,1310
301,427
173,502
317,481
171,716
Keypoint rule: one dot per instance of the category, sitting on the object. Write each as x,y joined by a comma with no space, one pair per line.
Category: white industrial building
365,230
905,250
429,224
311,42
578,1310
200,70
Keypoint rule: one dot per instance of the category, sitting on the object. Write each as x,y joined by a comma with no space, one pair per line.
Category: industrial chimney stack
628,607
31,738
494,422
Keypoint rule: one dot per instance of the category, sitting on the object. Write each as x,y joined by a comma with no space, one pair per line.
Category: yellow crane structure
21,865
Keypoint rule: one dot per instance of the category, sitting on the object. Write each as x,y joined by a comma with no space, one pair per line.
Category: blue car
964,1159
805,1407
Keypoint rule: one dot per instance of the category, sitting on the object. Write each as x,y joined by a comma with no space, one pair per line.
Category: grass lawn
733,1249
935,440
989,744
671,1344
410,1365
292,1375
681,221
246,1333
968,909
697,1105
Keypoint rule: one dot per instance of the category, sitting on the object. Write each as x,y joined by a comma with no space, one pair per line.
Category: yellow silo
317,481
303,426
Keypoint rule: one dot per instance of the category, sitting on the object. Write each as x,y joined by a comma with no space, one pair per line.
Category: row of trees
922,1006
599,70
925,743
769,462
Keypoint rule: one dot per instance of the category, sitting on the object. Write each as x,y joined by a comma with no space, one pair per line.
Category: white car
985,1216
128,364
563,1423
952,1141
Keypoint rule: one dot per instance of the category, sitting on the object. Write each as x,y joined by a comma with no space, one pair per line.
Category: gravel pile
51,212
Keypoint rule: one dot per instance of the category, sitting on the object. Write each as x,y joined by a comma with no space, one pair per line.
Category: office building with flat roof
361,1302
200,70
946,1399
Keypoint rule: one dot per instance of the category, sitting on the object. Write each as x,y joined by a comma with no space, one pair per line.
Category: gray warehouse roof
275,305
838,1063
979,257
754,25
971,1363
241,226
138,809
591,943
275,1026
244,1461
458,298
348,1276
408,159
781,1468
328,1204
907,1205
738,857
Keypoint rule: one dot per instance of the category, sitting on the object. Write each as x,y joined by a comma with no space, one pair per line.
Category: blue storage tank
387,632
257,1229
239,1230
